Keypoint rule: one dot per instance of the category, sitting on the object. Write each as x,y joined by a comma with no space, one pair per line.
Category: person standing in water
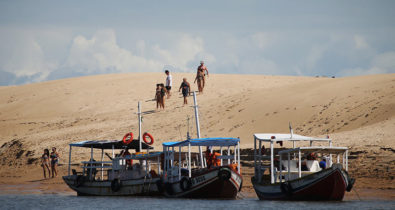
54,162
45,163
169,82
185,87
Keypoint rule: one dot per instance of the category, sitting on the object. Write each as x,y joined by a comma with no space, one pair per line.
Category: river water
64,201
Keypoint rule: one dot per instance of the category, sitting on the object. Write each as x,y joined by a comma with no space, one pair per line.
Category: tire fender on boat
286,188
351,182
79,181
159,185
169,188
224,174
126,136
185,184
241,185
116,185
145,138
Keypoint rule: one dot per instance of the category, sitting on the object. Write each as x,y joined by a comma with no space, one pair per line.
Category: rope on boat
357,194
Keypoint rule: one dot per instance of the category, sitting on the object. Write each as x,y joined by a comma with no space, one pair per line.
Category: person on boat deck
169,81
185,87
322,164
45,163
311,156
126,153
211,158
54,162
304,166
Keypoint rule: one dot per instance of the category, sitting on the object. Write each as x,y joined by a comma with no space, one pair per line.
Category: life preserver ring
79,181
126,136
224,174
286,188
185,184
116,185
145,138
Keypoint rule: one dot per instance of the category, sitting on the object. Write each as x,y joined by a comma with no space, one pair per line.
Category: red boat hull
329,184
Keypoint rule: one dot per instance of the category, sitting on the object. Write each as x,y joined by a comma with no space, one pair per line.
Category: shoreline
11,184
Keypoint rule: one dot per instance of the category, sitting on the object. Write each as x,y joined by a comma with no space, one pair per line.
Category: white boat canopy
274,137
204,142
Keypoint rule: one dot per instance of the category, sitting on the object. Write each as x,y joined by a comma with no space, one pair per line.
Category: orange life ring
126,136
145,138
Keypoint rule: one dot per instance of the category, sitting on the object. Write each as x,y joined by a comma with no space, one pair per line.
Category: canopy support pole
102,164
300,164
221,155
179,163
271,163
238,156
69,160
90,171
289,166
139,116
189,159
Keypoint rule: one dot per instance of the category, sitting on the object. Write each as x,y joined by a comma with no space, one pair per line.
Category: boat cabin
178,163
124,166
286,164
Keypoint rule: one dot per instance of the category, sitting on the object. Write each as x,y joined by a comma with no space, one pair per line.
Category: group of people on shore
162,90
49,162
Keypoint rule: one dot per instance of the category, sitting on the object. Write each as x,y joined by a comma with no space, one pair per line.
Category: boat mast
197,126
139,116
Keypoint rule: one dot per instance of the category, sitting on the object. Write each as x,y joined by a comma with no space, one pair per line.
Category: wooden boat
288,175
212,175
115,177
118,176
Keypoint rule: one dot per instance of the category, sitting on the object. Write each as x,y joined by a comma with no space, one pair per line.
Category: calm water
56,201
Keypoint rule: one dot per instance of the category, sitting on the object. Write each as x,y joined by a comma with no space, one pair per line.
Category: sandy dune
355,111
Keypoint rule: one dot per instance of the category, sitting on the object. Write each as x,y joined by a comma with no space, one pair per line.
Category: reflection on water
57,201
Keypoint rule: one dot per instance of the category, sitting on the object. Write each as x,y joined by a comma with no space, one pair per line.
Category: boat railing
293,165
174,172
261,154
107,170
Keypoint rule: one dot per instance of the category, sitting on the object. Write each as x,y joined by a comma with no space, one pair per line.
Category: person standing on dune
185,87
169,81
201,76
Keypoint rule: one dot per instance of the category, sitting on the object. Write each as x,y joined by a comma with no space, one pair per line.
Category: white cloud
381,64
262,39
102,54
315,54
23,56
360,42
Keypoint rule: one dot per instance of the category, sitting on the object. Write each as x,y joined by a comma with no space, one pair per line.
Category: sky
47,40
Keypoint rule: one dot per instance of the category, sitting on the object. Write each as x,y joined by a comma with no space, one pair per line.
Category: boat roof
274,137
107,144
220,141
332,150
142,156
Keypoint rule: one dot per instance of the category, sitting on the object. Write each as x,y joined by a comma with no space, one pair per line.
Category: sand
357,112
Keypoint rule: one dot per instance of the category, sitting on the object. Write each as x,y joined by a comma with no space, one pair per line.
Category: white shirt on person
169,80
